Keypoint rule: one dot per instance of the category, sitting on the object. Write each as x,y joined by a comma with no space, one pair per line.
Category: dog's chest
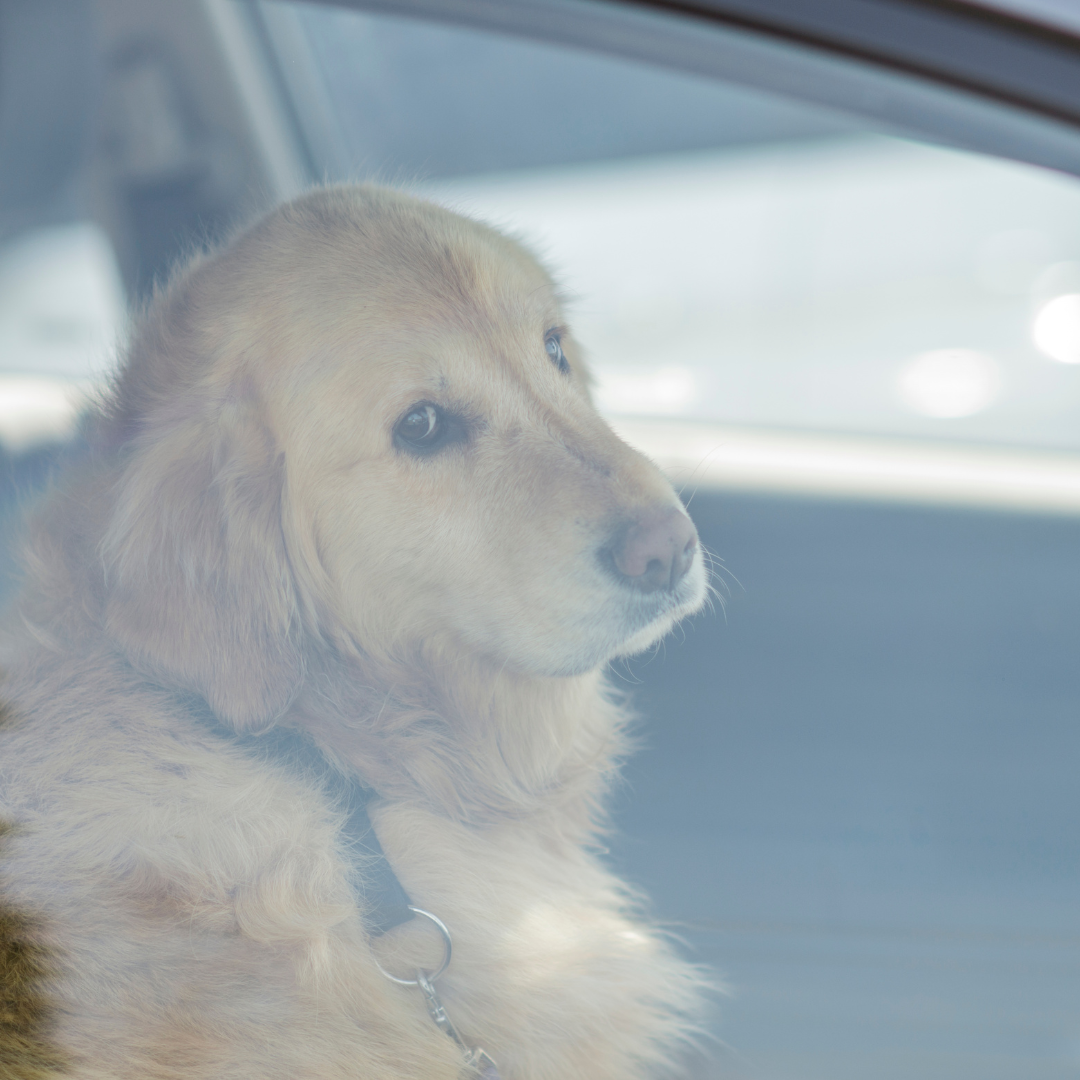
542,945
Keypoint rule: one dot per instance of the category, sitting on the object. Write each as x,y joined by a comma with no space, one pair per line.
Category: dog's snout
654,551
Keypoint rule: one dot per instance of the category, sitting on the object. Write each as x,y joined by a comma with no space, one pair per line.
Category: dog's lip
644,609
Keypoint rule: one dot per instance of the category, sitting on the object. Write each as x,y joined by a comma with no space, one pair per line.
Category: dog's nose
655,550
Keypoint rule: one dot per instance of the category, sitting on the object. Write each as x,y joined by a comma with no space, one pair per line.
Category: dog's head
365,423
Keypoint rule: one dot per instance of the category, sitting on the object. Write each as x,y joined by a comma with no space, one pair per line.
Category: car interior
825,259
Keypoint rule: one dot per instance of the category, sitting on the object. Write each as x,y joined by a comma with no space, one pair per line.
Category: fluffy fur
26,1048
248,533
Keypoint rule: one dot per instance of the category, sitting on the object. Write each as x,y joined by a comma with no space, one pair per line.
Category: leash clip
478,1061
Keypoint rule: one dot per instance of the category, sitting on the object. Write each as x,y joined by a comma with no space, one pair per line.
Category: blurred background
857,354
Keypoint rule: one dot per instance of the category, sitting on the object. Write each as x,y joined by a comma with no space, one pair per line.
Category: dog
348,487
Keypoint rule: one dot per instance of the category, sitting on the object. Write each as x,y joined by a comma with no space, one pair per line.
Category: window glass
418,100
735,258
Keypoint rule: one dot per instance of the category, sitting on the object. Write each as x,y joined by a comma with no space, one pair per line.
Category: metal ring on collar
448,950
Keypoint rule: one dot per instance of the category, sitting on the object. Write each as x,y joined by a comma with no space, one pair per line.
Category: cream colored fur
246,532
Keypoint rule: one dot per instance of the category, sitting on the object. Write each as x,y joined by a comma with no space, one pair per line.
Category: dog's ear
198,588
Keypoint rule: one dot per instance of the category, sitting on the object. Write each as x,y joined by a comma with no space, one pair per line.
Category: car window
856,799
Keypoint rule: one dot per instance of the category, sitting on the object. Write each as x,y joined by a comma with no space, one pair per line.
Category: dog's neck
439,725
469,738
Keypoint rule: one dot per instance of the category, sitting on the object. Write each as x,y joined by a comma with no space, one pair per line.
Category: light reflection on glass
1056,330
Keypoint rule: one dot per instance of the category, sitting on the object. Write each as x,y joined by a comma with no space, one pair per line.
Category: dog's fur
246,534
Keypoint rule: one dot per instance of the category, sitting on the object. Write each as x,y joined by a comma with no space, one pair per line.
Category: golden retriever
349,484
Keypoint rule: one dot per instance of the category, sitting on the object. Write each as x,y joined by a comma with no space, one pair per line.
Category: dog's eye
553,344
420,427
425,428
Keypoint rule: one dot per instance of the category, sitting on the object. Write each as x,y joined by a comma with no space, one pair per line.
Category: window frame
938,70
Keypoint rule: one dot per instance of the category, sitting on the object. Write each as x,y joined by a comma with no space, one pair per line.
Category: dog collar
379,894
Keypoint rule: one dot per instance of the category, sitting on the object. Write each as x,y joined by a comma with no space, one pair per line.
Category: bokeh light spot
1056,330
949,383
